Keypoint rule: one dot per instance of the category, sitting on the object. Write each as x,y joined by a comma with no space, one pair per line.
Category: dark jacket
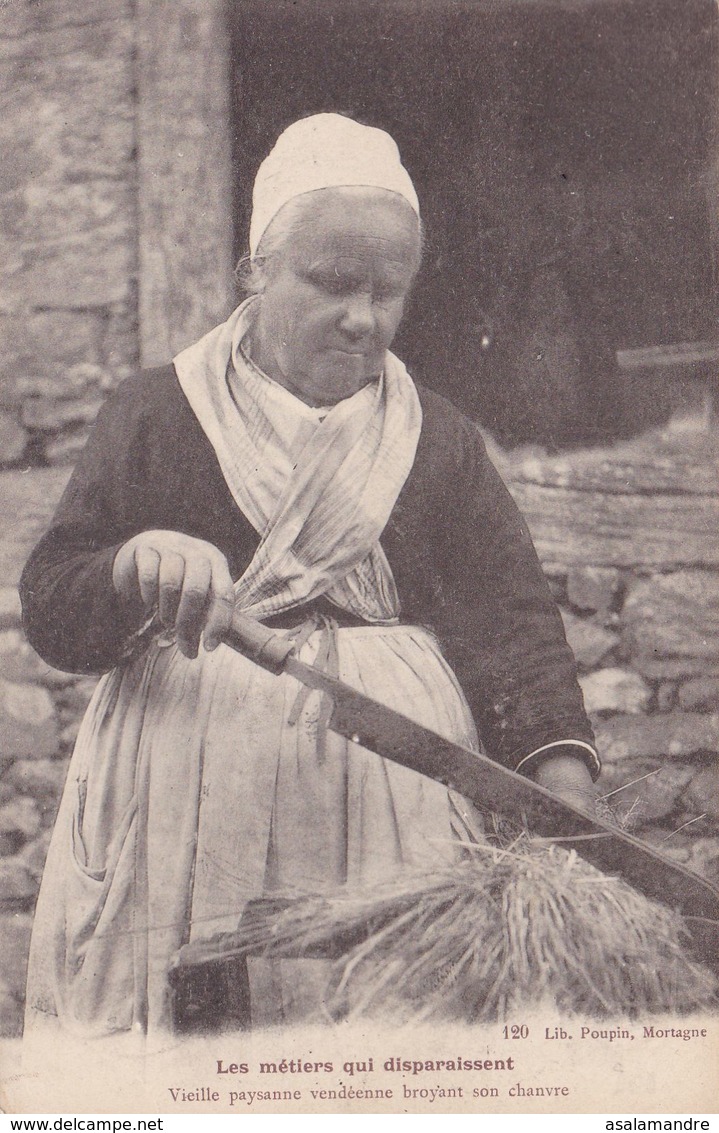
461,555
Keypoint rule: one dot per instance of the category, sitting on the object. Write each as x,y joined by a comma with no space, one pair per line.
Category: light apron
193,788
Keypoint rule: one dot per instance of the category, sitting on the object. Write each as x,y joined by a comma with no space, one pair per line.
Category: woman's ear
250,274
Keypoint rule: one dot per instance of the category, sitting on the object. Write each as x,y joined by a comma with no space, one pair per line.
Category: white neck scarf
319,493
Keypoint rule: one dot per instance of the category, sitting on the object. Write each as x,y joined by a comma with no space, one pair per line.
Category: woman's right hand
186,578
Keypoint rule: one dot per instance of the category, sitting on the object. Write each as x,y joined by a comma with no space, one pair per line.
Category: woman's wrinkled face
334,293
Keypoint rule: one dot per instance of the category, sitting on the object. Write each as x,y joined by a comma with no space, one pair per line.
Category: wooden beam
659,532
184,171
678,354
649,502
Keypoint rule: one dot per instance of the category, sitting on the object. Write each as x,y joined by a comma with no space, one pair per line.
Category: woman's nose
358,314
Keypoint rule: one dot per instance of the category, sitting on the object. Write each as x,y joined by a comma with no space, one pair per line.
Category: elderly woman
288,465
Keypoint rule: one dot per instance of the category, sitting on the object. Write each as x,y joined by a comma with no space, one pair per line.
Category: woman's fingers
147,568
222,605
191,610
171,576
124,573
584,799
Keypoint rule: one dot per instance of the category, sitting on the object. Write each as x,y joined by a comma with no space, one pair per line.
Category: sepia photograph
359,556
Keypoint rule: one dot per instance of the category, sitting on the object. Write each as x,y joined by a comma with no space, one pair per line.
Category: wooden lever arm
264,646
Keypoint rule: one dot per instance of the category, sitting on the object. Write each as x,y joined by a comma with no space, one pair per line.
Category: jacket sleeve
500,626
71,613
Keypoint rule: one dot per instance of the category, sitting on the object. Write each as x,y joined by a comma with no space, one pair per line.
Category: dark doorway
564,156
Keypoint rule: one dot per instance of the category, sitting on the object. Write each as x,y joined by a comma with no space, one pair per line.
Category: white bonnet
325,151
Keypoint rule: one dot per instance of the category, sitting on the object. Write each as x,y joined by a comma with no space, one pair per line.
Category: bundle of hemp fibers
519,925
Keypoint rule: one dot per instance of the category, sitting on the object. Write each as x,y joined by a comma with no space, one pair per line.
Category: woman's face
334,294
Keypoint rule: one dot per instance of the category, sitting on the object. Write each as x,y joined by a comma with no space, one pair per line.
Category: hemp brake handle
259,643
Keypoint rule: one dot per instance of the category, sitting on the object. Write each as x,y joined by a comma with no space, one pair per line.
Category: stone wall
68,324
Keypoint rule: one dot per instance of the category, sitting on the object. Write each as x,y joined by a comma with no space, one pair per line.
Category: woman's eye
331,282
339,285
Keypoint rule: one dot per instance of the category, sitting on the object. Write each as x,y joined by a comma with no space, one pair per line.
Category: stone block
615,690
91,271
20,820
76,697
589,642
18,660
11,1014
103,146
69,734
10,608
673,846
15,931
557,587
673,668
13,439
121,345
11,842
34,853
20,155
68,337
674,619
660,795
89,377
618,774
70,208
641,792
10,396
700,695
28,727
55,679
65,383
27,502
699,854
50,415
20,663
66,448
702,795
674,735
40,779
667,697
18,888
703,858
593,589
46,17
557,571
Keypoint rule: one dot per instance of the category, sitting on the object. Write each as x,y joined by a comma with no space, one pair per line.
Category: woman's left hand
568,777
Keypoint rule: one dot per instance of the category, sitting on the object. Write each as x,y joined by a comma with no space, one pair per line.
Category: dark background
564,154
